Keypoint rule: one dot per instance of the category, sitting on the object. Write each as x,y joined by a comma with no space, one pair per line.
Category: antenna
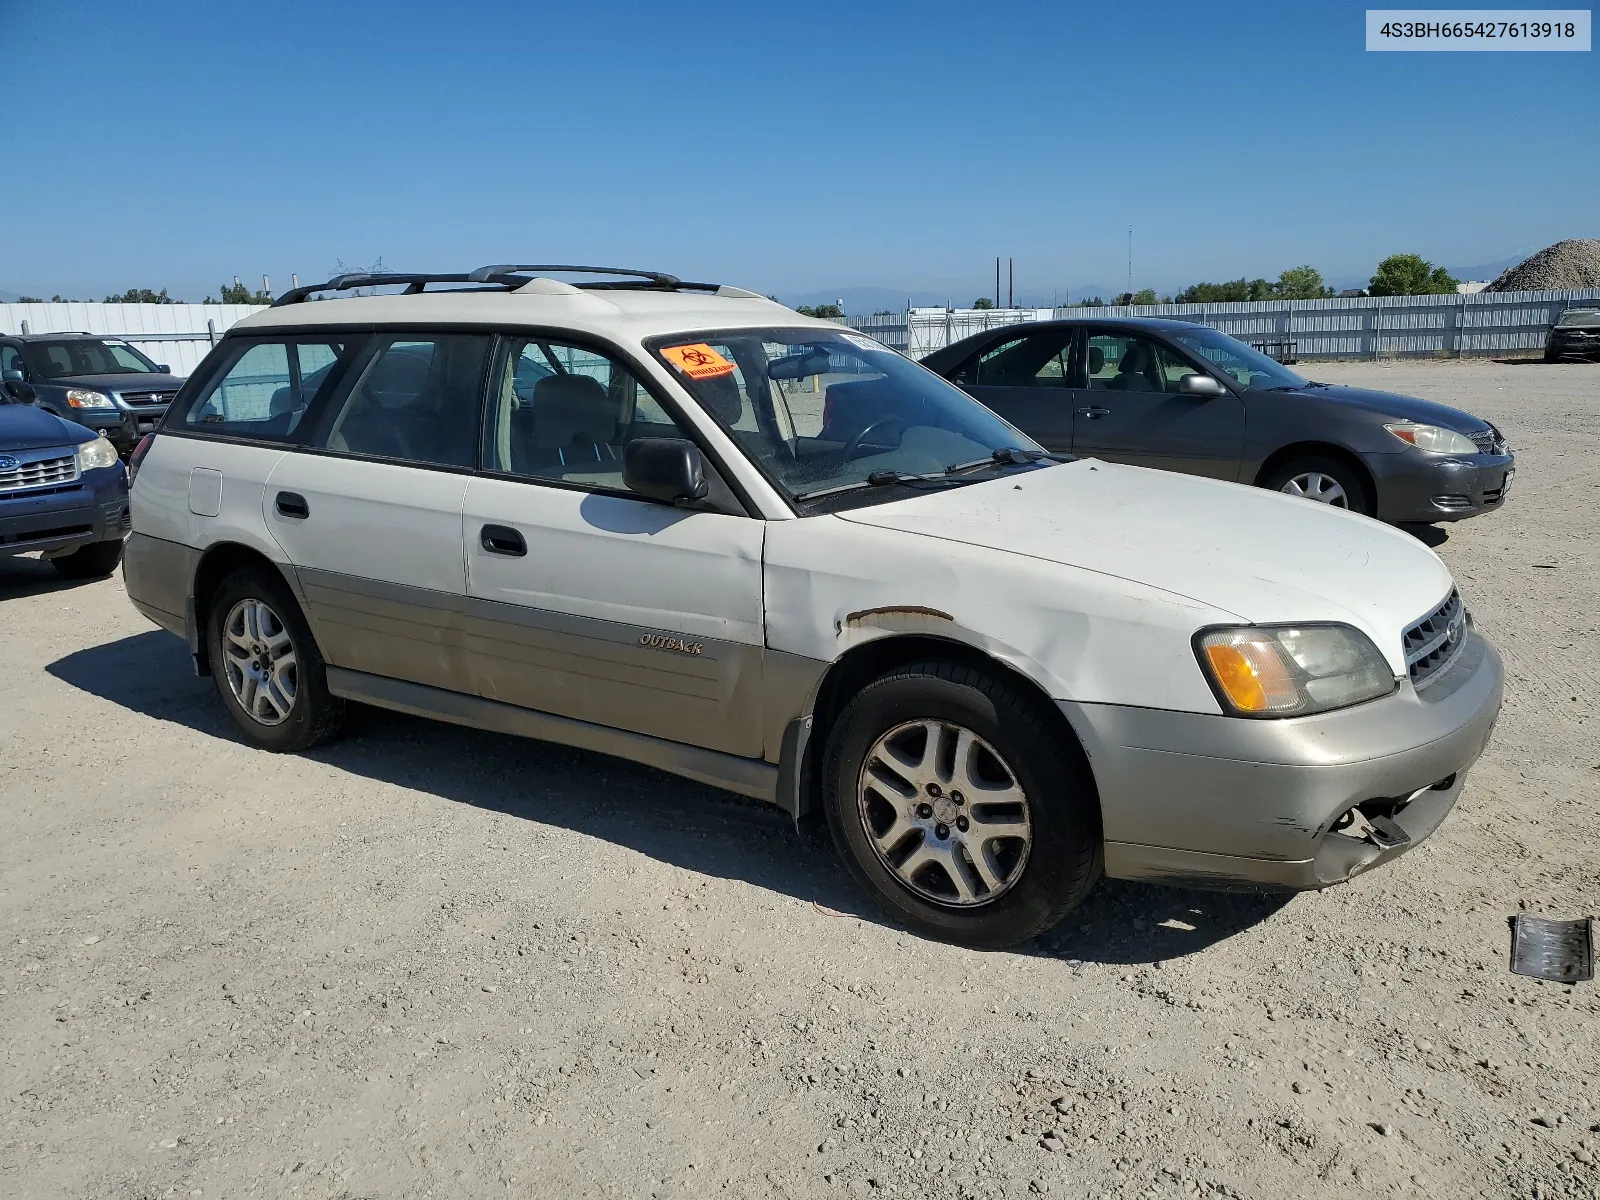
1130,264
1011,283
997,281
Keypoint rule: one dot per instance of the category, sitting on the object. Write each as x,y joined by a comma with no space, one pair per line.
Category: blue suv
63,492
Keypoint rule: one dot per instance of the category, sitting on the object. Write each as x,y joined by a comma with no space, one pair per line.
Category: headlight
1291,670
1433,438
96,452
82,399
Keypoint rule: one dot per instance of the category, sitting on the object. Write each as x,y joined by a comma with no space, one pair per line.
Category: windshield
825,412
1580,316
83,356
1250,367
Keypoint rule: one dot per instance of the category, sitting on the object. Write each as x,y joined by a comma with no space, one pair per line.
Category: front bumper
1200,800
1415,486
59,522
1575,343
122,427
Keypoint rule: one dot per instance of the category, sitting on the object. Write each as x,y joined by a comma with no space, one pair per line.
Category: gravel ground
425,961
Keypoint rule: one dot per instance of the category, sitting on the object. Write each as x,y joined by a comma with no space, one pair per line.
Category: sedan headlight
1435,439
96,452
1291,670
82,399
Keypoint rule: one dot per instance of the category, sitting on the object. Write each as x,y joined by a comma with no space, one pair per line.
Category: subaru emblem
7,463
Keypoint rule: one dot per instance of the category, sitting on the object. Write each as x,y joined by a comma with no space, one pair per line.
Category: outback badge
663,641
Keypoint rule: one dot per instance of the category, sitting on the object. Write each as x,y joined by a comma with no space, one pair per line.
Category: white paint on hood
1261,555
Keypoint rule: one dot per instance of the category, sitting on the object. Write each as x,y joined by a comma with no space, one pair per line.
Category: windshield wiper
875,480
1009,456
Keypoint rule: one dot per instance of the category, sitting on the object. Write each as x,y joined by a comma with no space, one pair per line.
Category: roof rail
505,275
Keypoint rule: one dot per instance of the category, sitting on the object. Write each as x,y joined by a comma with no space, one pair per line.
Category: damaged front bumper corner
1308,802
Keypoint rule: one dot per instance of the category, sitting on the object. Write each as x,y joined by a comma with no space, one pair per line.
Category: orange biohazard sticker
698,361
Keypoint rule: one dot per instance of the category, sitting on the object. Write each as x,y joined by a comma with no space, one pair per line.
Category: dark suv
63,493
98,382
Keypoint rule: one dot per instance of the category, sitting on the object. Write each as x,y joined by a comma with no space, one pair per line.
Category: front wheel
266,664
961,807
1324,480
94,561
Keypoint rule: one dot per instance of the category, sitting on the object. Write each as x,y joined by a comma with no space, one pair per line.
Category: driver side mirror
667,469
164,368
1202,387
16,388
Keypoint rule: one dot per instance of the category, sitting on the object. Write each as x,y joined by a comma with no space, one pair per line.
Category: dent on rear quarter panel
833,584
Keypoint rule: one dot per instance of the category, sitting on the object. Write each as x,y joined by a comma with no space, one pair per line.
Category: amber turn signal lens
1251,672
1235,676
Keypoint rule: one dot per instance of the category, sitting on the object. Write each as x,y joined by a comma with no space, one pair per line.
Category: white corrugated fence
179,335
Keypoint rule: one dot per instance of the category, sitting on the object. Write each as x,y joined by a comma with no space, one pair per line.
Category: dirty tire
1355,487
94,561
316,715
1065,855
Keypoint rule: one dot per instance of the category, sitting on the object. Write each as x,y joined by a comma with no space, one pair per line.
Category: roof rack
503,275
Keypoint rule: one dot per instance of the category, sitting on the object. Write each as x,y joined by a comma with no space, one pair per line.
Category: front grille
148,399
1450,501
40,473
44,535
1489,441
1432,643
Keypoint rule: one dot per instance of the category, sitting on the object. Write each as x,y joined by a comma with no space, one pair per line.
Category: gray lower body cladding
1210,800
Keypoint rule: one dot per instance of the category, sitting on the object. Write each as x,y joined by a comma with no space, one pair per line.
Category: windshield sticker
698,361
862,343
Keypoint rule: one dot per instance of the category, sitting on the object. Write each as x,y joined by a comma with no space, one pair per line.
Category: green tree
983,302
828,312
1410,275
238,293
30,299
1301,283
1145,296
141,296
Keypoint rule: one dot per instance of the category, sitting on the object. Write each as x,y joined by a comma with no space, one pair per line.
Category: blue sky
791,148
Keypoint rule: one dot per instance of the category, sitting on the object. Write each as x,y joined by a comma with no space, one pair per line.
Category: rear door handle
1094,412
293,504
502,539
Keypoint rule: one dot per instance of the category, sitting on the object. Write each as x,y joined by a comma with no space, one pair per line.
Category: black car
99,382
63,493
1184,397
1575,335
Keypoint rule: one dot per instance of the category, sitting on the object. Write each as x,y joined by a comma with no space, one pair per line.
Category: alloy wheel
945,813
1314,485
260,662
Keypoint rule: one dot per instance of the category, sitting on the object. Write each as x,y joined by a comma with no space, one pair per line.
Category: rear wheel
94,561
1324,480
961,807
266,665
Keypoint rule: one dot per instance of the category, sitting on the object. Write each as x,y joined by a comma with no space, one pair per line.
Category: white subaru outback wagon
681,524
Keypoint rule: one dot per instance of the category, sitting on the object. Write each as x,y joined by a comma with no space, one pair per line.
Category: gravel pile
1574,263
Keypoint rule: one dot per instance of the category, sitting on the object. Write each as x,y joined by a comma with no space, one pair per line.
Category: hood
126,381
1401,408
1262,556
24,427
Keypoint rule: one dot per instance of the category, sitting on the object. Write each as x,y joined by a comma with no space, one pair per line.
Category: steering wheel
853,446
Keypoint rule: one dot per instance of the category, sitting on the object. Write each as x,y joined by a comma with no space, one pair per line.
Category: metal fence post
24,329
211,331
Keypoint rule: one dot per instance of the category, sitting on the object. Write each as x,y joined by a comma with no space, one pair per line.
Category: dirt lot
429,962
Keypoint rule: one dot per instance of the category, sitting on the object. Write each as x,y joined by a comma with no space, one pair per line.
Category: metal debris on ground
1560,951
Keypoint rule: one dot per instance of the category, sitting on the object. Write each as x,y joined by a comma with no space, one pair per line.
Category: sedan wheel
1313,485
259,658
945,813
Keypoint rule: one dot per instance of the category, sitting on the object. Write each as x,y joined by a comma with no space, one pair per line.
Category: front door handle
1094,412
502,539
293,504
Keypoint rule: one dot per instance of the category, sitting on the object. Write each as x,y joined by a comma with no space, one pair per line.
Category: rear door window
415,398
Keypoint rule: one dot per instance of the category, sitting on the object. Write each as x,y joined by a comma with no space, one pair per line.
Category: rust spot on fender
887,615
